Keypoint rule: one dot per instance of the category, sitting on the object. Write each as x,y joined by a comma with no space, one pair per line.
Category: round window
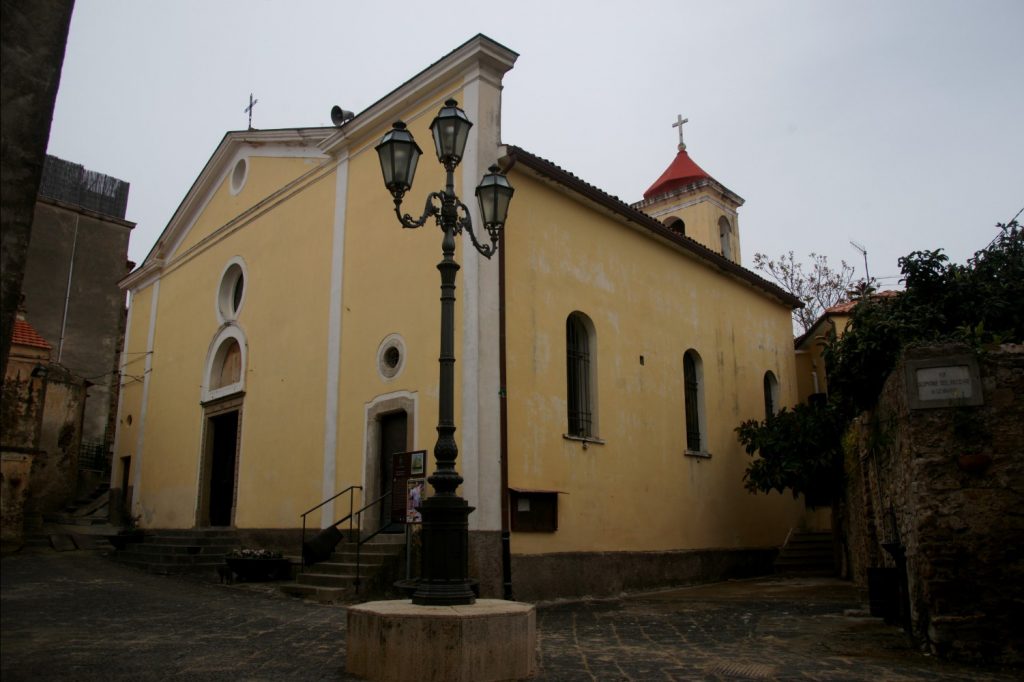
231,293
238,175
391,356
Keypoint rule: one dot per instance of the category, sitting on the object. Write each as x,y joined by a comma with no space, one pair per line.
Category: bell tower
687,200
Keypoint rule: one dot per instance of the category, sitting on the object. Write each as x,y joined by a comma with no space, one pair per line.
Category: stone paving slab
79,616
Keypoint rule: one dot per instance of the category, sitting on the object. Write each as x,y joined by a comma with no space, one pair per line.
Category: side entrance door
393,432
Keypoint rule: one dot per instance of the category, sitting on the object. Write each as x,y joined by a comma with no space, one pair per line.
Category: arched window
725,236
693,401
771,394
676,225
225,364
581,360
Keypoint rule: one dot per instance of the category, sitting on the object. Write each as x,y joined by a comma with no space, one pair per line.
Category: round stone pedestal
398,640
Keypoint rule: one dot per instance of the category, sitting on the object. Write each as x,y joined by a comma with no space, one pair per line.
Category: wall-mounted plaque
948,381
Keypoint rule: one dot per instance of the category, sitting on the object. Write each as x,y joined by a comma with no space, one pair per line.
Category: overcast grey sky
896,123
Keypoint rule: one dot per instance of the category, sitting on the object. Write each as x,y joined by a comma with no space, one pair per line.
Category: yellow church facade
282,341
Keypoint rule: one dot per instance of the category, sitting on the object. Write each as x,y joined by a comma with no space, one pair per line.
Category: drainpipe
67,292
506,537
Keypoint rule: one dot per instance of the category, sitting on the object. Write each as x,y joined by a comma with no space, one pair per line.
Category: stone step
326,595
343,568
327,579
364,557
807,553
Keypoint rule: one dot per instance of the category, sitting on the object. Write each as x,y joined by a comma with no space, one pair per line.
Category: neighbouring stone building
933,504
41,413
77,255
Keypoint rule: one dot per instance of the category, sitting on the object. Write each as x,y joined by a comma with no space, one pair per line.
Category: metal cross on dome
254,102
680,121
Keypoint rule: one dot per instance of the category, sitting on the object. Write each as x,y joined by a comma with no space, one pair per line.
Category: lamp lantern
450,129
398,154
494,194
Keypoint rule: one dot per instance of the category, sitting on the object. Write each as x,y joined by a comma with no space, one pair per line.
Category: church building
282,343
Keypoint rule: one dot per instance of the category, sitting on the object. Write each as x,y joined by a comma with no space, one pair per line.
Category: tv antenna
863,252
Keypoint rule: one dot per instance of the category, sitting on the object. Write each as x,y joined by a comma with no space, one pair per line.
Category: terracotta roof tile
26,335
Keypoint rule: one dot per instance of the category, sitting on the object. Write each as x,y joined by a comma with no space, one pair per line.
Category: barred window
580,358
693,398
771,394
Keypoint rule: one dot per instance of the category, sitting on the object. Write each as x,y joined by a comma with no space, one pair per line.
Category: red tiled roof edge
543,166
682,171
26,335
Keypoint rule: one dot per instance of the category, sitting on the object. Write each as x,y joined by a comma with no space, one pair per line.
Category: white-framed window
391,356
231,291
225,364
239,174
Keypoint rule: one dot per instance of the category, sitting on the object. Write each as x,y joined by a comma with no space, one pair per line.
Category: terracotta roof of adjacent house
848,306
844,308
682,171
611,203
26,335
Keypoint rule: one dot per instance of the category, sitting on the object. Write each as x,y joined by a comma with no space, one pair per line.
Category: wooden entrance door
393,432
222,454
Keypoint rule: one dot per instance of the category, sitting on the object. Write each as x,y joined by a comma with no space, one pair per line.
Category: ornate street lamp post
445,567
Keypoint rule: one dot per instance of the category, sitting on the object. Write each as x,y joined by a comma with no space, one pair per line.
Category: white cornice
480,56
296,142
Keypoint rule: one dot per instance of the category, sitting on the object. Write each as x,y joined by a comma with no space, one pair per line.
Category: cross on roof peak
253,103
680,121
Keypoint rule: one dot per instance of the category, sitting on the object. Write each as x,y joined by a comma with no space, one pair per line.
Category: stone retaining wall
943,485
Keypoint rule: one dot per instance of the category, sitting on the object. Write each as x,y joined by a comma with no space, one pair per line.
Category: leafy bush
798,449
977,303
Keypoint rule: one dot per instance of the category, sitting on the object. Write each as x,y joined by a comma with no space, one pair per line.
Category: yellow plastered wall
392,286
637,491
265,177
286,251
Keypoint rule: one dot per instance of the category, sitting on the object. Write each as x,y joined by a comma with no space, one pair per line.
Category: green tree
979,302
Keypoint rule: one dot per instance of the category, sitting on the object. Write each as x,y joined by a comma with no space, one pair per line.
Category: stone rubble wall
945,487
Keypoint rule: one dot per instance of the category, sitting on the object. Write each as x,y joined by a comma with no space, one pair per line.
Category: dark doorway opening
393,433
223,450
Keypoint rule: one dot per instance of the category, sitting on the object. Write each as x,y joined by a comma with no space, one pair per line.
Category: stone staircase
90,509
807,553
180,551
333,581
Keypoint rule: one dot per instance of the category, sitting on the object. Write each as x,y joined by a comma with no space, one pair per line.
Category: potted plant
973,436
257,564
131,533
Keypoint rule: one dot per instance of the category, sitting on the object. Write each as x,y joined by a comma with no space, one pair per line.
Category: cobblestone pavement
78,616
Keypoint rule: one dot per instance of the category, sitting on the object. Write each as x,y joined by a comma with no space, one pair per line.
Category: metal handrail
348,517
362,540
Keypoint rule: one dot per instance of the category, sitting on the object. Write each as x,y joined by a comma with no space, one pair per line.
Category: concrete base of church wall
485,561
581,574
